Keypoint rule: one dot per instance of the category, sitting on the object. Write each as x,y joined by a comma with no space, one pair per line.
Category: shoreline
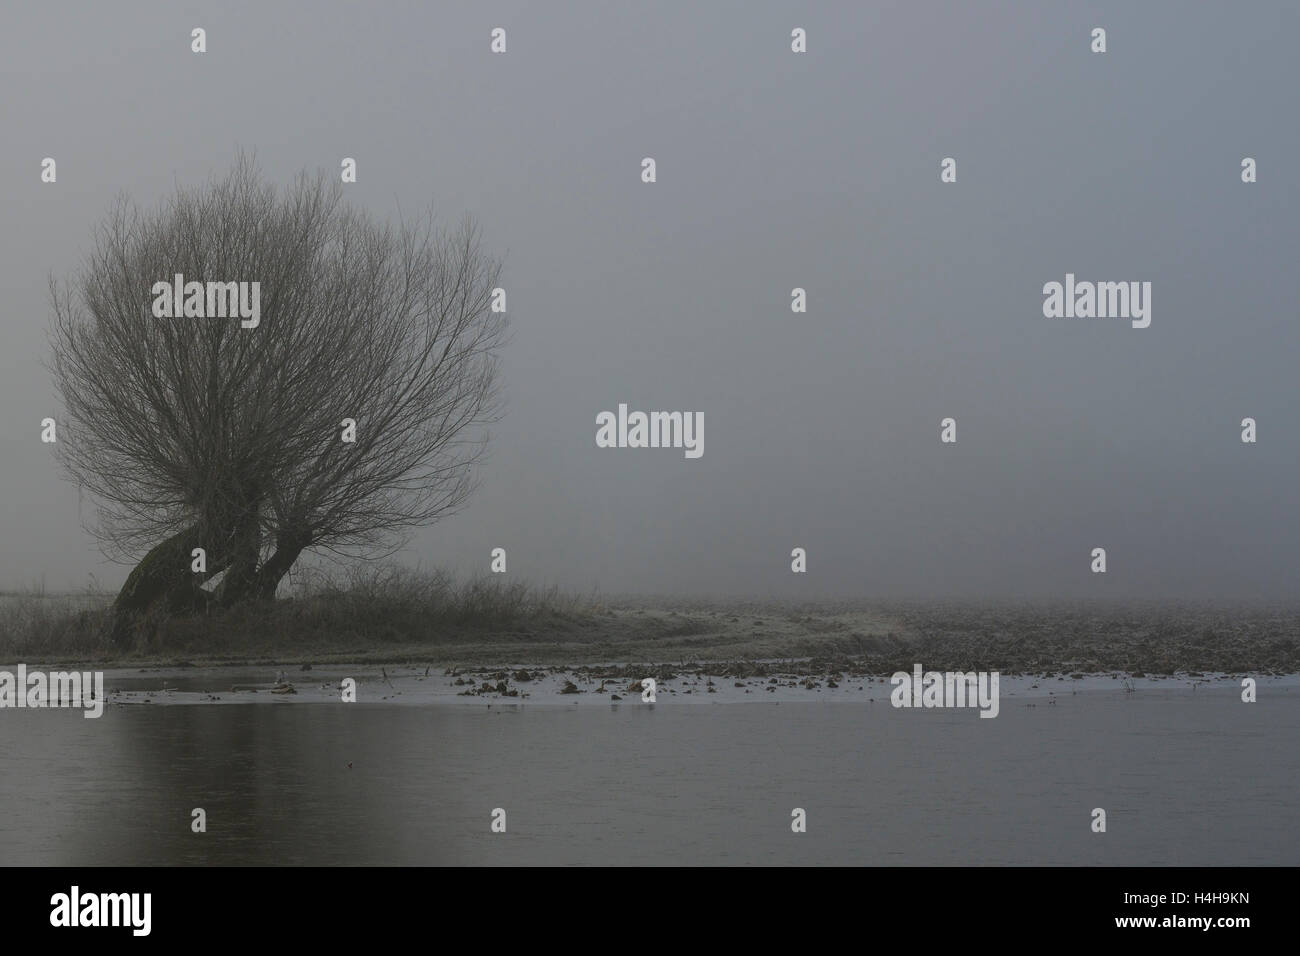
612,685
739,639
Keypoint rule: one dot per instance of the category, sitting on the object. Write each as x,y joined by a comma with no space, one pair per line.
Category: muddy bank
611,684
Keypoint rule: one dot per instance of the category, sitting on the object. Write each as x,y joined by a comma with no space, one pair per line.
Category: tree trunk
163,580
276,567
241,576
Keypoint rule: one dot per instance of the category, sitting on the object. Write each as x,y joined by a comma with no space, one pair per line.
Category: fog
775,170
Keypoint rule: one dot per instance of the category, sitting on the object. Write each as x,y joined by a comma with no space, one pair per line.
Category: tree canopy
204,432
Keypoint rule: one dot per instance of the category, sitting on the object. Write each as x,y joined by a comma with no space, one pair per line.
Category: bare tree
196,432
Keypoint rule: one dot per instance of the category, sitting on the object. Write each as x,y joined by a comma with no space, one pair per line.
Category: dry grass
362,608
393,614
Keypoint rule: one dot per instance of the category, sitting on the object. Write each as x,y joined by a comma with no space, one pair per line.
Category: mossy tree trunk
164,580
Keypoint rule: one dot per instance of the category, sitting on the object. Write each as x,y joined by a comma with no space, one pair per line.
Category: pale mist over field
775,170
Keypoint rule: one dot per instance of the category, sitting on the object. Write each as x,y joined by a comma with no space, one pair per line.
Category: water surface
1186,778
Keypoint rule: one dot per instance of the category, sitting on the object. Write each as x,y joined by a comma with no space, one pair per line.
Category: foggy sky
775,170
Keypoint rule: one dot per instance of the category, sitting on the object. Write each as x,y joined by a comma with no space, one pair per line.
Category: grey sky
775,170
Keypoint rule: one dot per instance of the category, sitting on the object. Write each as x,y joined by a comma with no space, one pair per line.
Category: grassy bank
396,615
366,609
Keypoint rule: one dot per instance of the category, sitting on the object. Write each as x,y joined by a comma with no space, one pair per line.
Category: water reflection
1185,779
